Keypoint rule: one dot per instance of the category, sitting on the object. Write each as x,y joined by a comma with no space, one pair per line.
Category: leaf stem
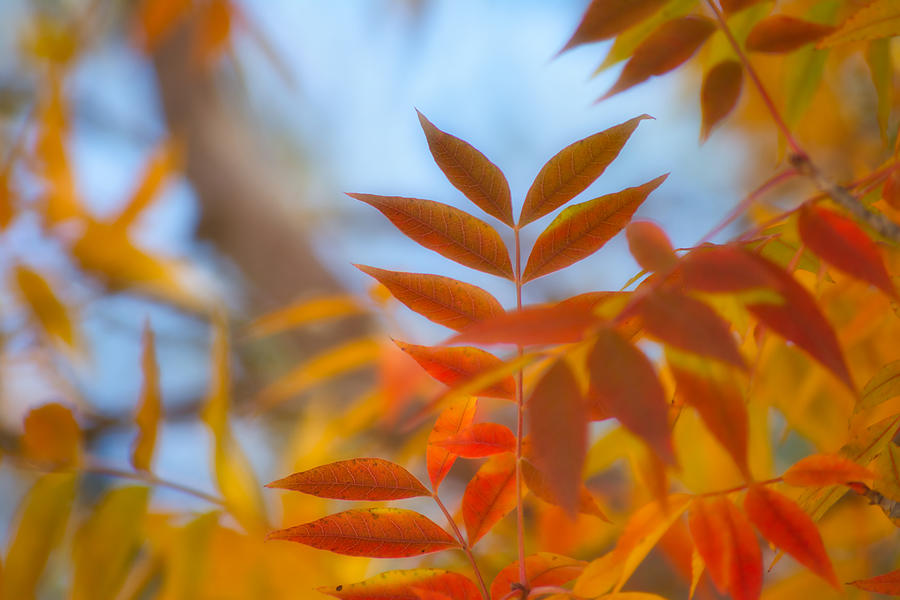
739,488
154,481
465,546
520,429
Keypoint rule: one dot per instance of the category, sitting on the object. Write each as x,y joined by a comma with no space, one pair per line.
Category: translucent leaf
604,19
355,479
149,409
889,584
883,386
162,164
45,306
720,93
315,310
876,20
452,366
782,33
489,496
480,440
541,569
51,436
403,585
537,484
650,246
455,418
878,58
825,469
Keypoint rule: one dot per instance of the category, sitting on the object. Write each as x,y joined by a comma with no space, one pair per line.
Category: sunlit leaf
159,168
51,436
480,440
455,418
403,585
732,6
558,429
48,311
573,169
452,366
445,301
720,93
878,58
785,524
889,584
532,326
582,229
782,33
537,484
149,409
626,42
843,244
214,24
541,569
315,310
825,469
373,532
447,230
650,246
480,180
489,496
355,479
883,386
878,19
672,44
156,19
604,19
625,385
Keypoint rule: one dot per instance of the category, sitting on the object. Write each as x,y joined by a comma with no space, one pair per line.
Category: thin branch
465,547
520,431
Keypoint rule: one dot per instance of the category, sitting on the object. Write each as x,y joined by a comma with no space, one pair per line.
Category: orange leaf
582,229
573,169
650,246
445,301
781,33
456,417
558,427
453,366
541,569
150,406
720,93
607,18
480,180
403,585
721,406
626,387
842,243
889,584
480,440
672,44
447,230
47,310
537,483
355,479
785,524
795,315
825,469
689,324
490,496
51,436
160,167
732,6
891,190
215,22
373,532
157,19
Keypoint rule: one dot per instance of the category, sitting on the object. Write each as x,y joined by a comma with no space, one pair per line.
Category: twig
465,546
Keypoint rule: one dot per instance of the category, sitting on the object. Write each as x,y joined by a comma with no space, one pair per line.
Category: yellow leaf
7,200
149,407
43,521
106,542
186,559
52,160
51,436
45,307
599,576
304,312
877,20
160,167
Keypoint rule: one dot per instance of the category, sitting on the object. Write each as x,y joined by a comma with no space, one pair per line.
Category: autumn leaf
650,246
582,229
875,20
447,230
557,420
455,418
215,22
785,524
443,300
480,440
720,93
159,168
883,386
489,496
825,469
888,584
843,244
782,33
355,479
373,532
156,19
403,585
539,325
733,6
453,366
541,569
149,405
624,383
45,307
537,484
573,169
604,19
304,312
672,44
480,180
51,436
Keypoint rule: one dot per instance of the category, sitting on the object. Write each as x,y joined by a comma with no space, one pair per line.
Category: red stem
465,546
520,429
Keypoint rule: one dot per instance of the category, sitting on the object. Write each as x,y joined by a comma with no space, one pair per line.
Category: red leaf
825,469
732,6
455,418
781,33
533,326
889,584
445,301
404,585
672,44
723,269
355,479
480,180
785,524
480,440
537,483
625,385
582,229
541,569
453,366
720,93
447,230
689,324
575,168
607,18
490,496
373,532
843,244
558,425
650,246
